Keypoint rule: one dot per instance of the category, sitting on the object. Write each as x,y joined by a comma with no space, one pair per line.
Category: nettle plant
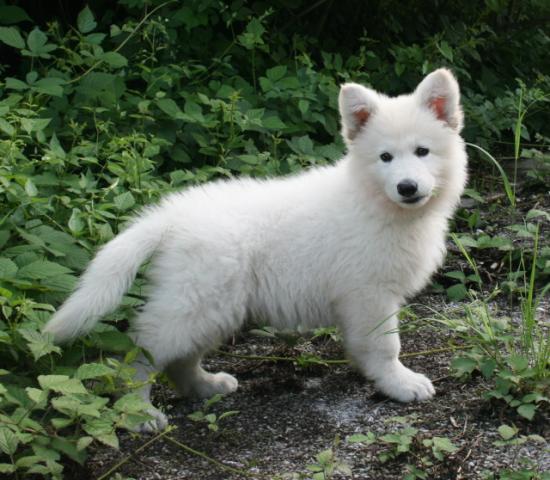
211,419
517,367
422,452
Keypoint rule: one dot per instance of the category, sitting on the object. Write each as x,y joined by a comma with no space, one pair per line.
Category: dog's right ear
357,104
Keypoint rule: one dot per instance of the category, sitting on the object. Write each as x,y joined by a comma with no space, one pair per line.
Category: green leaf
61,384
109,439
7,468
102,429
457,275
518,362
36,395
60,283
303,106
105,87
276,73
6,127
73,406
8,268
85,20
114,59
533,213
210,418
76,225
29,461
507,432
34,124
325,456
49,86
196,416
444,444
446,50
273,123
84,442
10,14
168,106
69,448
37,44
487,367
369,438
39,343
41,269
30,188
113,341
124,201
11,36
457,292
527,410
93,370
8,441
463,365
131,403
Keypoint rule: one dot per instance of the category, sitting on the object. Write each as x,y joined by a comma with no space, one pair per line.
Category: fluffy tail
107,279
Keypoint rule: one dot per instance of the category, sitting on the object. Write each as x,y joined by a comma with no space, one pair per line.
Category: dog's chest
405,258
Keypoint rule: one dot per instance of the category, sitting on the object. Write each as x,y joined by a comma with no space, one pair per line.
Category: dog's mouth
413,199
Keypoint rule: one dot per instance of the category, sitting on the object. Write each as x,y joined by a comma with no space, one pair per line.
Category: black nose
407,188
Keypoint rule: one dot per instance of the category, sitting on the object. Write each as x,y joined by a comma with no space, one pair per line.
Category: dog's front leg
370,329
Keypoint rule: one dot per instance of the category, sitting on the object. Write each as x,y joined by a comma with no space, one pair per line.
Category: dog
344,244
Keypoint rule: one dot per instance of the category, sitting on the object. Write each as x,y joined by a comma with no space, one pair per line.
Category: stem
254,69
337,361
469,259
510,193
117,465
132,33
209,459
517,136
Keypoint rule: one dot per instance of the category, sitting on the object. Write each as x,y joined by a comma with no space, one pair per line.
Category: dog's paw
404,385
214,383
158,422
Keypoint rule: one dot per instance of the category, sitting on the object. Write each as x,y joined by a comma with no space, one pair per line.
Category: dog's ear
357,104
440,93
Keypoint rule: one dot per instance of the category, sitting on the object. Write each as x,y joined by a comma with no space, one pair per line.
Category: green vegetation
105,108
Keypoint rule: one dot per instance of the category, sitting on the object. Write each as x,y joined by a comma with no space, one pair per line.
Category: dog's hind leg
144,370
192,380
176,334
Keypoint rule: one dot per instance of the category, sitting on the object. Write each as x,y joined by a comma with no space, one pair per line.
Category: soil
288,413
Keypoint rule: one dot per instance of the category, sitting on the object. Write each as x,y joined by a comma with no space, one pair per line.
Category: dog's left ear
440,93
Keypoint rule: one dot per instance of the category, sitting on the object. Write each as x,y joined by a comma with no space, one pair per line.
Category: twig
435,350
211,460
117,465
124,42
337,361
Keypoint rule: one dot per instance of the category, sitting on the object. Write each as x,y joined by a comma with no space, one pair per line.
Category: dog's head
407,147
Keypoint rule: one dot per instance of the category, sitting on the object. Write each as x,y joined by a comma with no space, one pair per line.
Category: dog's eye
386,157
421,151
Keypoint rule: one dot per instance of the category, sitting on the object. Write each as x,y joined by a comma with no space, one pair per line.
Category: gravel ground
288,414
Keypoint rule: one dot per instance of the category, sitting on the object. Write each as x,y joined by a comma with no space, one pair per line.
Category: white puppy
344,245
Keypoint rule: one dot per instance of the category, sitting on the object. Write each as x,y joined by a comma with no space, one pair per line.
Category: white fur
332,245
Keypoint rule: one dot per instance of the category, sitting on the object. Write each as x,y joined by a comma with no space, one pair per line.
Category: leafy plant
211,419
518,367
327,464
407,441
